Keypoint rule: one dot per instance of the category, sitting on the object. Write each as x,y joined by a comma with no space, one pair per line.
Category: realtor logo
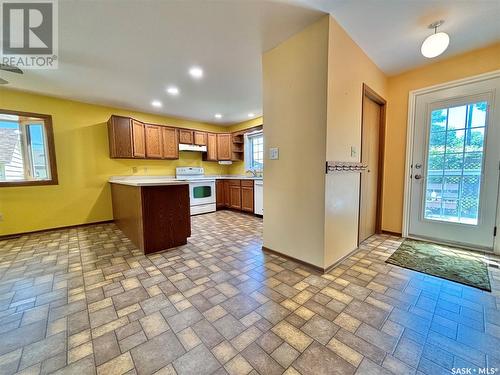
29,34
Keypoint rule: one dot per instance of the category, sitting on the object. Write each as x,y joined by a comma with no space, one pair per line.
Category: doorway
372,157
452,192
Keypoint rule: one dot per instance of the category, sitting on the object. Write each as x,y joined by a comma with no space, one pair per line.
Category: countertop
170,180
146,180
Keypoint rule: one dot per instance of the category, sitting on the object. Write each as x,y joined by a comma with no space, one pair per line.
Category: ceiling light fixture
435,44
156,103
196,72
251,115
218,115
172,90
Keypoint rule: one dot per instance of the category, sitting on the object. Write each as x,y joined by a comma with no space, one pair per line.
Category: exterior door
455,165
370,151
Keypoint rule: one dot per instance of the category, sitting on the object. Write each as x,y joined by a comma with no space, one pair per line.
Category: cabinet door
138,139
153,141
211,147
200,138
219,190
224,146
120,137
247,196
235,197
186,136
170,143
227,197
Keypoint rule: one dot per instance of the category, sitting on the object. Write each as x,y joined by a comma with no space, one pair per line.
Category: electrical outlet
145,170
134,169
1,216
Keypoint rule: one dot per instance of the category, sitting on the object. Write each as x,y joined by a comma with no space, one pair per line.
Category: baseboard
396,234
309,265
17,235
338,261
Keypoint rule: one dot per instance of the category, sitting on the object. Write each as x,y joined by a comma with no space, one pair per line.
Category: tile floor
85,301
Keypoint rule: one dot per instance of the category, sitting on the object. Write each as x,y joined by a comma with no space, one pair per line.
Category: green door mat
461,266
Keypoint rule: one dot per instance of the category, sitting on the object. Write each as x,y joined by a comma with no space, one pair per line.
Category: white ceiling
392,31
125,53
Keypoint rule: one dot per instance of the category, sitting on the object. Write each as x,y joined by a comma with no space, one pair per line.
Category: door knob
418,176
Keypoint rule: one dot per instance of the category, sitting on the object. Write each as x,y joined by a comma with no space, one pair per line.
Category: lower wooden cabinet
235,194
247,196
220,194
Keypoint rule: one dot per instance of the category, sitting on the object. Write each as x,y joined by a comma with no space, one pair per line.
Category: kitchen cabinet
227,198
200,138
126,138
220,194
247,195
211,154
170,137
154,142
138,139
224,146
120,137
186,136
235,195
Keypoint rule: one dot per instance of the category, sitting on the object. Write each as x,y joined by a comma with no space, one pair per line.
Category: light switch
274,153
354,152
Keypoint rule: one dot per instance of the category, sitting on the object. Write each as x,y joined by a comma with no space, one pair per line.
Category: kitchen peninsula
153,213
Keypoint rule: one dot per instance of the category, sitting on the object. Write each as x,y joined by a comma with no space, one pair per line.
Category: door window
455,163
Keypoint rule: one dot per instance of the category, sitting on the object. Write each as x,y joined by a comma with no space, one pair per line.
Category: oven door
201,192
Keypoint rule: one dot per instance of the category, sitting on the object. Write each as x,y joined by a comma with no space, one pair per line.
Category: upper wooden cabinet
170,143
126,138
138,139
129,138
186,136
211,154
120,137
154,141
224,146
200,138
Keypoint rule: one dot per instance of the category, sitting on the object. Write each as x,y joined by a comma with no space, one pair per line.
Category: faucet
253,172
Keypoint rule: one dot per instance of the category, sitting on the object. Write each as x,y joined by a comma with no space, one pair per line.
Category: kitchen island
153,213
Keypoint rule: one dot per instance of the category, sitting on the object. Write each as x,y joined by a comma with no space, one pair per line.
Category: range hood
184,147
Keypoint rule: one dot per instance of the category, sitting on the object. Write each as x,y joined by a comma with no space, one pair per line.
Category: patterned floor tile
85,300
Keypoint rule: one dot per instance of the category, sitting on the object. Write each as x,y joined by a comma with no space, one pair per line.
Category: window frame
49,138
255,132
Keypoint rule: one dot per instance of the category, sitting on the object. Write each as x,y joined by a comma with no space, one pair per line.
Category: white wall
295,89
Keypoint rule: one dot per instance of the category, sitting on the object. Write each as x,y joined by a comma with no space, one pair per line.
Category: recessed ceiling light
218,115
251,114
156,103
196,72
172,90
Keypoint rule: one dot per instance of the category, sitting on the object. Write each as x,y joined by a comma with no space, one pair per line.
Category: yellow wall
83,164
295,88
238,167
348,68
472,63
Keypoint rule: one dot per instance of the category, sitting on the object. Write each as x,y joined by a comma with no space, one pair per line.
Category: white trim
412,97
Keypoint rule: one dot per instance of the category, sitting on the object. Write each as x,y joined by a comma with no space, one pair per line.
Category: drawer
234,182
248,183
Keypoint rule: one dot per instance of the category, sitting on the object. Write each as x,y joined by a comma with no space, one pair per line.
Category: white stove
201,189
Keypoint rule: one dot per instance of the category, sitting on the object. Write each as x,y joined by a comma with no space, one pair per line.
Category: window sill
28,183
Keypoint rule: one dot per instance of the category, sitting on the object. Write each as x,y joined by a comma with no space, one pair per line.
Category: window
254,151
27,154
